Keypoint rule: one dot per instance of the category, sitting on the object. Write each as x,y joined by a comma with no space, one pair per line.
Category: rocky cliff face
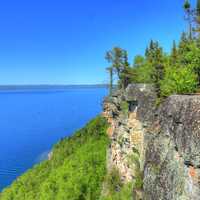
163,143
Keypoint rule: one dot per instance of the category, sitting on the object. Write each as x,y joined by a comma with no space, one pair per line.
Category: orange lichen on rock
110,120
194,175
192,172
110,131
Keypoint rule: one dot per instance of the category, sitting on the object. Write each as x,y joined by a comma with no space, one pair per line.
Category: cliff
157,148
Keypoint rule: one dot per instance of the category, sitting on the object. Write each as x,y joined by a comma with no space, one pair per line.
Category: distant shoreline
36,87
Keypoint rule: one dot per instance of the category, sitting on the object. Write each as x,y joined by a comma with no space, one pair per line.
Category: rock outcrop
165,139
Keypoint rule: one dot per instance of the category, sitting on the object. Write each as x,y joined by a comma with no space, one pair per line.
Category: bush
124,107
115,189
113,181
125,193
178,81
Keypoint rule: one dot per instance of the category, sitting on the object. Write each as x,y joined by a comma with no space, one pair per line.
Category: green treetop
174,54
118,58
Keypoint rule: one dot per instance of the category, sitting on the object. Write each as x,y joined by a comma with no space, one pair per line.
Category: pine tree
198,8
138,61
174,54
146,52
125,75
158,74
187,5
198,17
151,51
110,70
156,62
118,58
189,15
151,45
183,44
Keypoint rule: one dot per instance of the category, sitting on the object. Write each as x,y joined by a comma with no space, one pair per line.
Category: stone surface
144,97
180,118
166,138
126,134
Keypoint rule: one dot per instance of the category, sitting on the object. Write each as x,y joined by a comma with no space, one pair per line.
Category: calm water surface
32,121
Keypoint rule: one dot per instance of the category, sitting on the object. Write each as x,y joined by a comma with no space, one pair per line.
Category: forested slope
75,171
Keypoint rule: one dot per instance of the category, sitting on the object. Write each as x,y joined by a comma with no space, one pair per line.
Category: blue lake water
31,122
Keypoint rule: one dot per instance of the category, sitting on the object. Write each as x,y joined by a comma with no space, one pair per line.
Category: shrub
113,181
115,189
180,80
125,193
124,107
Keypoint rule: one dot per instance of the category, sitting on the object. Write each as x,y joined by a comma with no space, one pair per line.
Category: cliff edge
155,147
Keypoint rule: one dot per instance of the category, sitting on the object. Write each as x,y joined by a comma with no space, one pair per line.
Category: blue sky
64,41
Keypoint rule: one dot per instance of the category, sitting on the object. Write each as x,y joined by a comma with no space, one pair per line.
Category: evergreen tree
110,70
192,16
189,15
151,51
125,71
198,7
183,44
156,61
146,52
151,46
198,17
119,59
138,61
142,70
116,57
174,54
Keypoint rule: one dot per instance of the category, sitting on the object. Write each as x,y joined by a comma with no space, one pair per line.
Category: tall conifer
174,54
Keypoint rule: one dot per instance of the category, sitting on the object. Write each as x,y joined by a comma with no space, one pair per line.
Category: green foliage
174,55
113,181
155,59
178,81
191,58
189,17
151,68
186,5
125,193
174,73
116,190
193,18
118,58
76,170
110,70
124,106
197,18
135,160
142,71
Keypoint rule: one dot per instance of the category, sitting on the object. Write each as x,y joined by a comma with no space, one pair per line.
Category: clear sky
64,41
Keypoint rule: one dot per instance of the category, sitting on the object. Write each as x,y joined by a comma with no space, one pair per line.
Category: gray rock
171,160
144,97
180,117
